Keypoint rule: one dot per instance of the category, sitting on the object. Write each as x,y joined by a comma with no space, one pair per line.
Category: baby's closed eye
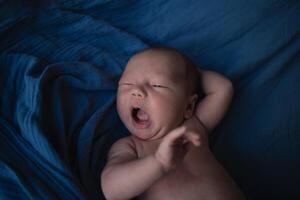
125,83
159,86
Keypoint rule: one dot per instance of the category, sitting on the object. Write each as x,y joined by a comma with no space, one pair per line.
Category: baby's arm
125,176
219,92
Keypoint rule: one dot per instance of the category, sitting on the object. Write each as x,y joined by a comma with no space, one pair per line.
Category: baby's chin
143,134
148,134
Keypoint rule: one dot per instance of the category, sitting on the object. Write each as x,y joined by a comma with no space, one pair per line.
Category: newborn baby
167,154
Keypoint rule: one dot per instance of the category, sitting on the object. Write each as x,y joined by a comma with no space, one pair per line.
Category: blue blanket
59,66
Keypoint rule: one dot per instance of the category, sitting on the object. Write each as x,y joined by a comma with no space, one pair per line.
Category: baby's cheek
171,111
121,106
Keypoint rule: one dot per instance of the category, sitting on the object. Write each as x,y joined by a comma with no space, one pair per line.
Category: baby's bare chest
176,184
197,177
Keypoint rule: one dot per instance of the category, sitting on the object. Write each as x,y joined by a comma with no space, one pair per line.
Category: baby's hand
194,125
174,147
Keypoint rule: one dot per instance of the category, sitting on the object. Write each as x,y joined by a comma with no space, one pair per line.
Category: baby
167,154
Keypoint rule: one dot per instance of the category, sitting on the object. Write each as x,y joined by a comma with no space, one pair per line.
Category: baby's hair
191,72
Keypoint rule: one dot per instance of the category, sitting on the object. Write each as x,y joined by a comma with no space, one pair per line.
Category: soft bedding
59,66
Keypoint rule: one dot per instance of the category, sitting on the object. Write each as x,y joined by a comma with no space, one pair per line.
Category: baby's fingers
175,135
183,136
193,138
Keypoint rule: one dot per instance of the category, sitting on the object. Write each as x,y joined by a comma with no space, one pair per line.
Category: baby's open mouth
140,116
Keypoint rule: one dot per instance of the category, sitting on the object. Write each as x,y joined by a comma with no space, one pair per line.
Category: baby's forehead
161,62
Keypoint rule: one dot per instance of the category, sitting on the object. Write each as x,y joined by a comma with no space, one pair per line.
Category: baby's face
151,98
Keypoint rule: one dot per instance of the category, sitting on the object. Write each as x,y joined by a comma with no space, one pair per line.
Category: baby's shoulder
124,143
122,149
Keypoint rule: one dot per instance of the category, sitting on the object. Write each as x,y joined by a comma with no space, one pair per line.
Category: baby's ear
190,107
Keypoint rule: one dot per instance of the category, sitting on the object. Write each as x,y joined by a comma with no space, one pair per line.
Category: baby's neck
149,143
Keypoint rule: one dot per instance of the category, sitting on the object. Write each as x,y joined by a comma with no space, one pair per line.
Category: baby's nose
138,92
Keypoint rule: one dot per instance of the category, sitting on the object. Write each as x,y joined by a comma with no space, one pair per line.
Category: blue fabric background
59,66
